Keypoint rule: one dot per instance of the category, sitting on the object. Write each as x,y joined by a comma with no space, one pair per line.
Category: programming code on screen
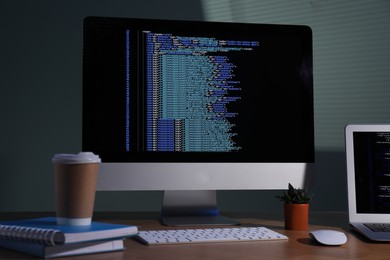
189,83
164,91
372,167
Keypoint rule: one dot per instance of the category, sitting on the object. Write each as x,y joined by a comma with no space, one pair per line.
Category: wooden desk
299,245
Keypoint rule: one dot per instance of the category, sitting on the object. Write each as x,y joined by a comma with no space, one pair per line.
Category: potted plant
296,208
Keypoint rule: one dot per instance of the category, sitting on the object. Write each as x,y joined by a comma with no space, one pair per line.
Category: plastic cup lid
82,157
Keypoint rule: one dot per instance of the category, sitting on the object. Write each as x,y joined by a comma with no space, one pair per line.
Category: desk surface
299,245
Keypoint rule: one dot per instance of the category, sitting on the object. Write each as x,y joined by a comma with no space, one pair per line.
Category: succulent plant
295,196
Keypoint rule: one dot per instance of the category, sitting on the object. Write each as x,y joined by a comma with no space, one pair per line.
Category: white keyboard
208,235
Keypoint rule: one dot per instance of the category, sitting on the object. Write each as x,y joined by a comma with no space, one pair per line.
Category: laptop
368,173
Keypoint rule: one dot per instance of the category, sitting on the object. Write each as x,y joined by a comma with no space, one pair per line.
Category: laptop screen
371,151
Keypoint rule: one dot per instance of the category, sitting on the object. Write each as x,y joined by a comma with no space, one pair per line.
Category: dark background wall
40,83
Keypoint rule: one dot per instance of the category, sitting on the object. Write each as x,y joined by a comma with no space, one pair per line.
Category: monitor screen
190,105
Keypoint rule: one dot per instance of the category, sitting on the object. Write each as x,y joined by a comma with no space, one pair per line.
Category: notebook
46,231
45,251
368,176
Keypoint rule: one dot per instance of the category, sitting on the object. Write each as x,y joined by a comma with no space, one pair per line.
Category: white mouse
329,237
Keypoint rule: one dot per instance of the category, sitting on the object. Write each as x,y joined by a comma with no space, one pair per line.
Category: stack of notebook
42,237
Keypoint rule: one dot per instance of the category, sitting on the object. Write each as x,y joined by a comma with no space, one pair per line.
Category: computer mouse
329,237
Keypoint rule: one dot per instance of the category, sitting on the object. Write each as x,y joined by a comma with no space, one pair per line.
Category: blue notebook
46,231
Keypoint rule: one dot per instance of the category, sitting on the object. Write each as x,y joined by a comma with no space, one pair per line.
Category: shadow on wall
329,189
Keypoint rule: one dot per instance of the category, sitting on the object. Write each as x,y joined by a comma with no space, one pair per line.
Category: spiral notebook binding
29,234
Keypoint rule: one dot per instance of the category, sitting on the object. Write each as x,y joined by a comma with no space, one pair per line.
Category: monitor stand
189,208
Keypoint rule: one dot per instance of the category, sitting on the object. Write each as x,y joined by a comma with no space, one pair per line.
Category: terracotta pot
296,216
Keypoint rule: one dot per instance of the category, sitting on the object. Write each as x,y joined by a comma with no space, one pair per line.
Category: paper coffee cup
75,187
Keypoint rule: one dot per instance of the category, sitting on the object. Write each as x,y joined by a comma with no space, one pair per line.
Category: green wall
40,82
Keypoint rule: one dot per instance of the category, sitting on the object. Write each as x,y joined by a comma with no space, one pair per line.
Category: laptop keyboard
378,227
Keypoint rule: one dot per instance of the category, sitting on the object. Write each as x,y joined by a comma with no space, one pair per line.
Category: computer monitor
191,107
